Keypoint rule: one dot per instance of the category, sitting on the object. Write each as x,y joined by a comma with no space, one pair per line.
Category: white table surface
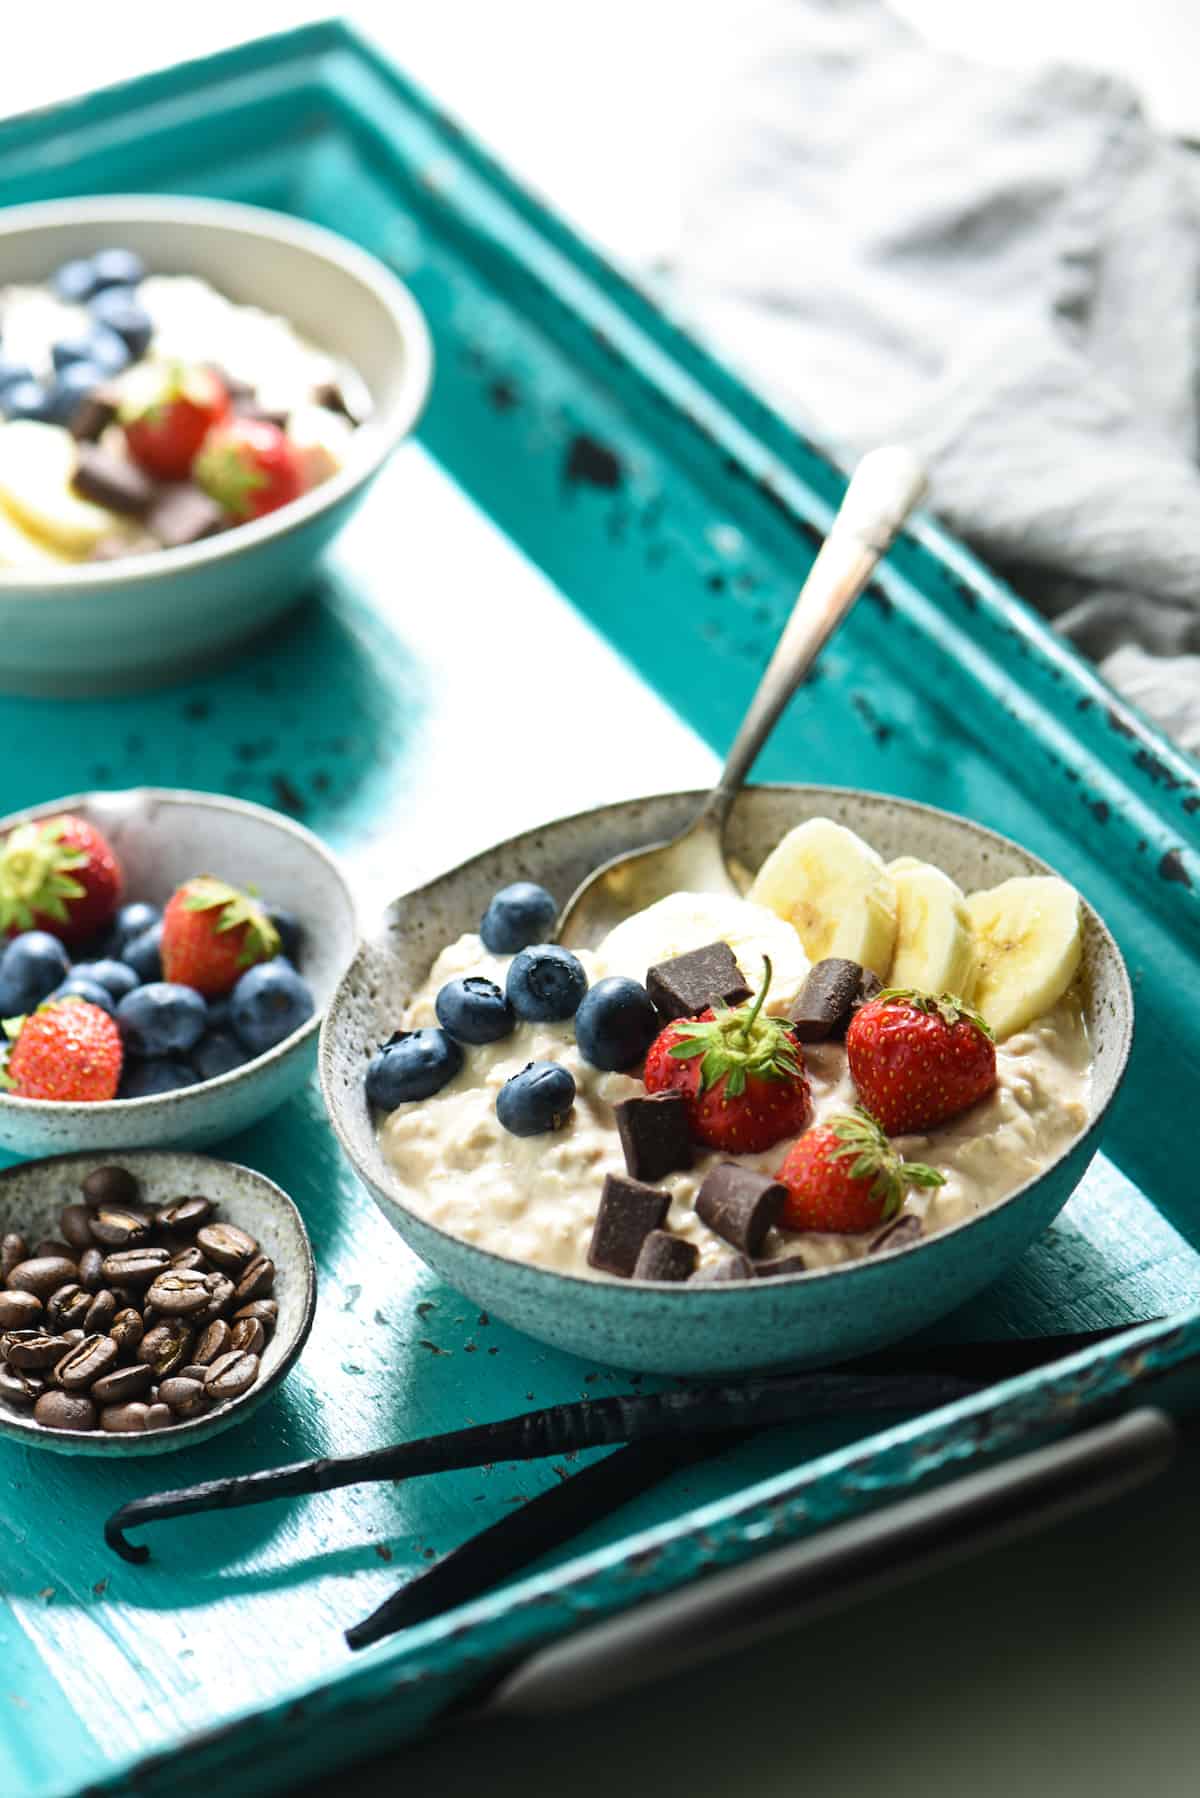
1063,1666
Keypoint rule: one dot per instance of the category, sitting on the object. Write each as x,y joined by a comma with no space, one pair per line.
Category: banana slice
935,949
37,462
1028,943
684,921
19,550
834,891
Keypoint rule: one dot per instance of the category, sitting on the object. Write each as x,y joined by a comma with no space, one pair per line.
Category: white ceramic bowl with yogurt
93,627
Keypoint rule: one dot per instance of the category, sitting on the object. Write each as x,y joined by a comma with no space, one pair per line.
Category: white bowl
110,626
162,838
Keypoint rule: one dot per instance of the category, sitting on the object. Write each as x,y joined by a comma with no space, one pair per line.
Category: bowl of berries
194,395
167,958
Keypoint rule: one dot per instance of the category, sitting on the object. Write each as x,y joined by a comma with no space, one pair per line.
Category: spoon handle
883,490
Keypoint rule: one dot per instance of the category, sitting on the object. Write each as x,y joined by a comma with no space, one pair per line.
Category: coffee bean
52,1245
67,1308
8,1337
91,1270
220,1291
110,1186
248,1335
193,1371
65,1411
127,1330
101,1311
17,1388
42,1275
180,1291
120,1227
256,1281
124,1420
185,1397
159,1416
266,1311
127,1299
20,1310
135,1267
94,1356
192,1259
123,1383
215,1340
226,1246
13,1248
76,1334
75,1222
230,1375
184,1214
166,1347
38,1352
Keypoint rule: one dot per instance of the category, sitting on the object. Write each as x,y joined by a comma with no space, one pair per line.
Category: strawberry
58,874
741,1072
67,1049
167,412
212,933
918,1059
844,1175
250,467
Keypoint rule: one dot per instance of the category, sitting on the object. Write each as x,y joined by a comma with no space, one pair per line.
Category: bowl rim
737,1290
188,1428
216,802
371,444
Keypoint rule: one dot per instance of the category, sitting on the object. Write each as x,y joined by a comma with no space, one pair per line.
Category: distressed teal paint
941,687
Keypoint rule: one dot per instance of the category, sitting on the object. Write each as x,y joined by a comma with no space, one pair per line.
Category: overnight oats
142,411
853,1056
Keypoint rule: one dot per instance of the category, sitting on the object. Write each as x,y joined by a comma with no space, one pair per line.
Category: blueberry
518,915
132,920
71,388
74,282
545,984
32,965
116,268
11,372
77,986
413,1064
291,932
537,1099
99,346
616,1023
27,399
144,953
474,1010
149,1079
268,1003
218,1053
115,976
121,311
162,1019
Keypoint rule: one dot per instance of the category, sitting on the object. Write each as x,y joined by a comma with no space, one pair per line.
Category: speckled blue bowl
162,838
807,1319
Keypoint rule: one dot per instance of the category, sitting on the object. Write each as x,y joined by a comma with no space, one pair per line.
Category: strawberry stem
760,1001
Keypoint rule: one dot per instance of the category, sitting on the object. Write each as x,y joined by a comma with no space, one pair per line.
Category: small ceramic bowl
825,1315
31,1198
111,626
163,838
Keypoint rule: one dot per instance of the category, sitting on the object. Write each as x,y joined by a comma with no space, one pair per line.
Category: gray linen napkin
1002,268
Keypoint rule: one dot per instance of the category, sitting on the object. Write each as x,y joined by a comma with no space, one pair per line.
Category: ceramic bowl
112,626
822,1316
162,838
31,1198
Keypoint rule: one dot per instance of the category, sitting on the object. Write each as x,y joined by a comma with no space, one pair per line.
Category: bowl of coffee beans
145,1304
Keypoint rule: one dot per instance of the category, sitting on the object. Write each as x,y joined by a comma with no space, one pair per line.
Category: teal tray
678,512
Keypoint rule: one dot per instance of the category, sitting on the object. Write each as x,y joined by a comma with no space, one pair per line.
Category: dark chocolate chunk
654,1134
628,1212
822,1007
113,482
93,415
330,395
687,984
902,1231
730,1267
183,514
740,1205
666,1257
786,1264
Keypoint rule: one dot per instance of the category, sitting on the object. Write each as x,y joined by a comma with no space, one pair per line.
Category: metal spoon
886,485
